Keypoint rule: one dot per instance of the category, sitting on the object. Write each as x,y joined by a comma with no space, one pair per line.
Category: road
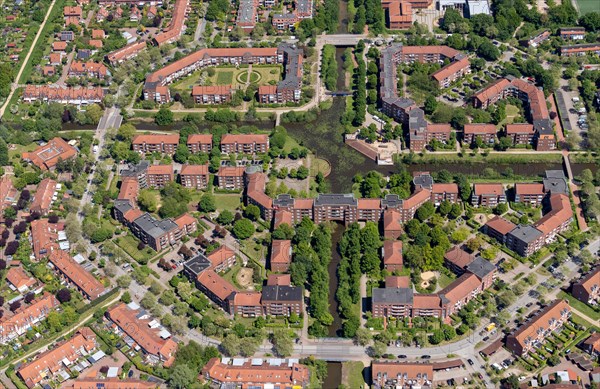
26,60
111,119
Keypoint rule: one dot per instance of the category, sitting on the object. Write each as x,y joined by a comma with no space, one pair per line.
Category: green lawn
129,244
268,74
187,82
352,375
224,77
227,201
580,306
444,280
586,6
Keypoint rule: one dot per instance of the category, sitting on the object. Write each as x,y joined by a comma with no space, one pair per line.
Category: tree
225,217
501,208
182,377
248,346
474,244
591,21
63,295
126,132
243,229
430,104
164,116
362,336
252,212
148,301
123,281
147,200
282,343
436,337
93,113
207,203
425,211
378,349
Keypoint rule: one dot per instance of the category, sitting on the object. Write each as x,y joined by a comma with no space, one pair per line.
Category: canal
336,237
334,376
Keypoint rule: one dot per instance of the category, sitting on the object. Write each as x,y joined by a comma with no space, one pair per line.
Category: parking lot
572,112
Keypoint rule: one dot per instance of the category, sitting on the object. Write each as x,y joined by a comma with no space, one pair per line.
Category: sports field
586,6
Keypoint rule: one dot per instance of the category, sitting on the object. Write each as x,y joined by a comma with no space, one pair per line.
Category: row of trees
329,71
360,90
312,254
369,12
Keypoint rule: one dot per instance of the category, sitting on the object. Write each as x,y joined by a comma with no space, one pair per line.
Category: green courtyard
238,78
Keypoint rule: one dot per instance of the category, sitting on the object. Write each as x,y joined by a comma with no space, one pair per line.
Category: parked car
401,356
470,361
425,356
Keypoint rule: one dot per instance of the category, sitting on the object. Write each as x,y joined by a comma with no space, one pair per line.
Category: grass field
227,201
129,244
262,75
224,77
352,375
578,305
586,6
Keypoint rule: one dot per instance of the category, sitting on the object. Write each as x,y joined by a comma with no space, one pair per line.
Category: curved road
14,85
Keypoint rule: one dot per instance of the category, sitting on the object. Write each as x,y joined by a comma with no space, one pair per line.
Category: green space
129,244
187,82
224,77
580,306
512,111
227,201
445,280
352,376
254,77
268,74
319,165
468,159
586,6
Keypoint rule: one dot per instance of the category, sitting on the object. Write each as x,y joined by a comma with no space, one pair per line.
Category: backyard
129,244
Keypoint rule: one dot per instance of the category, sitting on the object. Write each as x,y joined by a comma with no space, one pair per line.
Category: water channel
336,237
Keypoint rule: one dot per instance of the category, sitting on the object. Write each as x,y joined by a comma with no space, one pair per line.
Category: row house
535,330
88,69
155,143
44,196
199,143
111,383
18,280
81,96
255,373
194,176
488,195
579,50
125,53
213,94
244,143
23,319
386,374
43,238
146,334
76,275
587,289
572,33
59,358
537,39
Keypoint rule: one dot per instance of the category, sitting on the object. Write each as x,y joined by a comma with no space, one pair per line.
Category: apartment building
58,359
44,196
187,224
255,373
76,275
129,190
284,21
457,259
244,143
587,289
537,39
281,300
177,25
488,195
80,96
398,14
213,94
529,193
23,319
247,15
439,132
47,156
520,133
535,330
199,143
498,228
194,176
281,255
159,176
222,258
246,304
452,72
444,192
230,177
158,234
146,333
485,132
391,253
155,143
137,173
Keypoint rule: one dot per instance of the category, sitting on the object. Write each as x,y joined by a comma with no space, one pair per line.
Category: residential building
129,190
213,94
146,334
281,255
44,196
392,255
222,258
138,173
284,21
187,224
457,259
592,344
111,383
59,358
47,156
587,289
177,25
579,50
59,46
444,192
199,143
488,195
158,234
281,300
74,96
18,280
535,330
439,132
485,132
43,238
125,53
246,304
216,288
247,15
452,72
159,175
194,176
155,143
398,14
386,374
8,194
23,319
155,87
88,69
498,228
76,275
255,373
537,39
572,33
531,194
521,134
245,143
230,177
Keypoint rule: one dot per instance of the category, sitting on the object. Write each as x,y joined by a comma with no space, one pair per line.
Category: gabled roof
281,251
392,252
220,255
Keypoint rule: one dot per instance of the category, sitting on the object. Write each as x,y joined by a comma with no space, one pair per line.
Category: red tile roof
458,257
281,252
47,156
231,171
43,196
560,212
129,189
155,139
110,383
194,170
529,189
501,225
17,277
200,138
519,128
216,284
198,90
279,279
160,170
244,138
40,307
392,252
85,281
488,189
220,255
249,372
397,282
480,128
